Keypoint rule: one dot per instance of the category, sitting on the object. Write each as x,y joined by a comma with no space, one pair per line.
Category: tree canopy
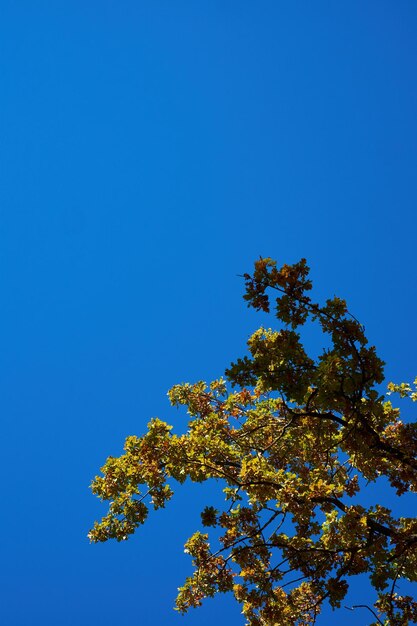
292,440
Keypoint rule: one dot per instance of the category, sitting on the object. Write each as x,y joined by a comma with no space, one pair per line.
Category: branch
325,416
364,606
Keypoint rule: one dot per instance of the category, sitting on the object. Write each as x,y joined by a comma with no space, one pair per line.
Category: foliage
292,440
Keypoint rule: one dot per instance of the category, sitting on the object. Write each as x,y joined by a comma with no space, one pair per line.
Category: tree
292,440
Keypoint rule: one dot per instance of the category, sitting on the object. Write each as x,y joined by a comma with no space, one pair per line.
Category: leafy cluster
292,440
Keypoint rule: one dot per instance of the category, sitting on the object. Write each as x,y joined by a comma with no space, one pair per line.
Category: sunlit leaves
290,440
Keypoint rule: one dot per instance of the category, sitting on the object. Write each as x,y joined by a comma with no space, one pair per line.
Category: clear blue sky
150,151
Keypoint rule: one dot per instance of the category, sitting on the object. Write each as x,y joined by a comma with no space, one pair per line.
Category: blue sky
150,151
